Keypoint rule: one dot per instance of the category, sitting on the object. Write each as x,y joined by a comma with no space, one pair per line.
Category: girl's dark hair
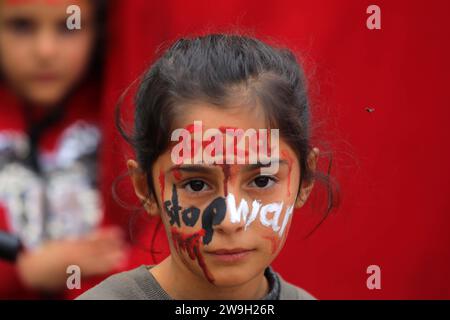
209,68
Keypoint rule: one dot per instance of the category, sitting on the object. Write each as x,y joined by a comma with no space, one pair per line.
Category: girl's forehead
220,117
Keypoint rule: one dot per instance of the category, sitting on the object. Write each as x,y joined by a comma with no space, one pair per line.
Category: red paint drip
195,145
235,142
190,243
176,173
162,184
190,128
226,176
289,160
264,140
275,242
224,129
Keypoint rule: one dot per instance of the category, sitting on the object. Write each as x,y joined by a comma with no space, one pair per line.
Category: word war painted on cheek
249,216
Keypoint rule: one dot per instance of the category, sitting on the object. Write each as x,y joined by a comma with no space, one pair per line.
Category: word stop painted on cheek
213,214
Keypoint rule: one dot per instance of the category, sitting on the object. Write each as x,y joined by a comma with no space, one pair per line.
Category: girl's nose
235,218
46,45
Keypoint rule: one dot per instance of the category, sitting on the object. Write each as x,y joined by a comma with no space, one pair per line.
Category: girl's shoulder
289,291
139,284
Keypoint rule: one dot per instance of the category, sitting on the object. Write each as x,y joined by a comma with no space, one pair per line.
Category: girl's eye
263,182
21,25
64,30
196,186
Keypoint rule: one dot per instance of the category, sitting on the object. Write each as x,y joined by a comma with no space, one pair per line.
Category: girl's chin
231,276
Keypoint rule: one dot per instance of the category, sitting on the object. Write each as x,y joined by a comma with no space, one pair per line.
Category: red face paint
275,241
162,184
226,167
176,173
235,142
190,128
195,145
286,155
224,129
226,177
190,243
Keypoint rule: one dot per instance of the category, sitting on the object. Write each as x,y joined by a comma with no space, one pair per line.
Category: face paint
242,212
173,209
213,147
274,208
256,205
275,242
162,182
226,177
190,243
177,173
286,220
268,150
286,155
237,213
212,215
235,153
190,216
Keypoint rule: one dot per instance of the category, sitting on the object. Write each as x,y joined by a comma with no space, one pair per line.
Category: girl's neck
181,284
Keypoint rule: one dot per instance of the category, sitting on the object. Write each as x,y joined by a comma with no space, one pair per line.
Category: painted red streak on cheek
275,241
190,243
286,155
162,184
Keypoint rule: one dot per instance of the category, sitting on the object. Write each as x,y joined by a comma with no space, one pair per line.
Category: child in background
49,138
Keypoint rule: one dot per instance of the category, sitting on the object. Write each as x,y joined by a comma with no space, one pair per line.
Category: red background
392,164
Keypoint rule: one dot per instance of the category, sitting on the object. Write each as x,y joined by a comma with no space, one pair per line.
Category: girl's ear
306,187
140,184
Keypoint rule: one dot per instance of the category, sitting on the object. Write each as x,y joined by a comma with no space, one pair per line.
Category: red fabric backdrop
392,164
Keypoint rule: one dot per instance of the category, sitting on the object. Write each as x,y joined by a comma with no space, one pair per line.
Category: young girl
49,138
226,219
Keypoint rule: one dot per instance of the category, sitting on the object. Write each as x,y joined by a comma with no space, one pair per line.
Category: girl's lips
232,255
45,77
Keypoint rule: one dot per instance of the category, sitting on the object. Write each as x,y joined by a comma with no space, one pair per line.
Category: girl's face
207,232
40,58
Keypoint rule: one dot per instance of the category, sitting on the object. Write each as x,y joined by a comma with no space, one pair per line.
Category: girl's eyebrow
192,168
208,169
256,166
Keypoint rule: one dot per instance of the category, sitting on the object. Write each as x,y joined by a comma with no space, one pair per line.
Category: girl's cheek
186,232
275,242
274,235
